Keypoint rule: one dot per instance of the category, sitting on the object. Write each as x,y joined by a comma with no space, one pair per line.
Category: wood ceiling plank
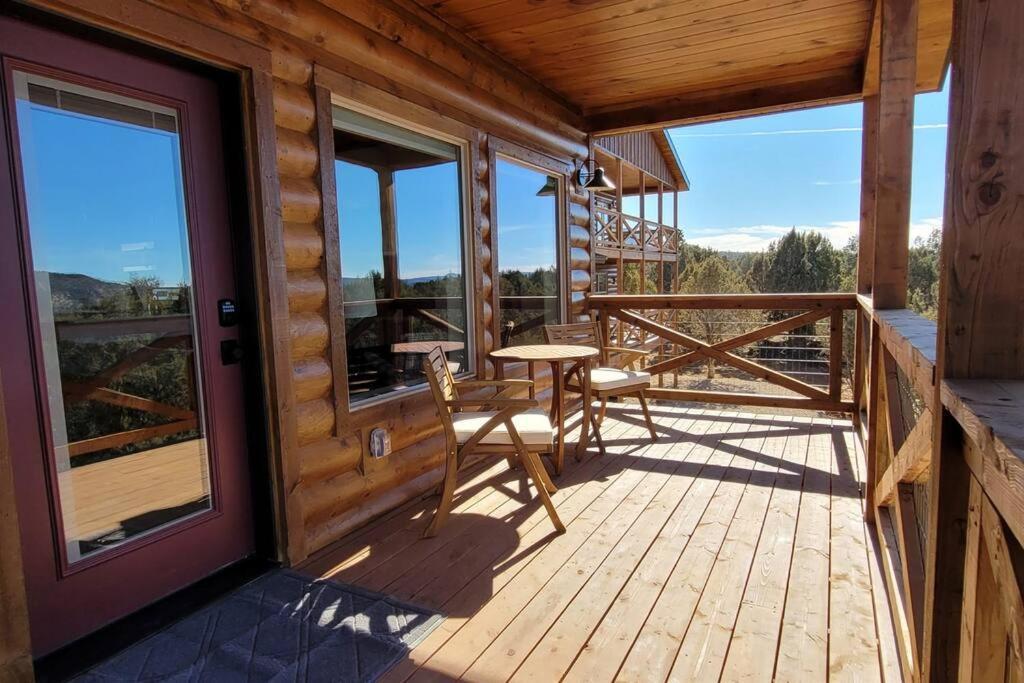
763,73
699,19
648,74
821,31
798,93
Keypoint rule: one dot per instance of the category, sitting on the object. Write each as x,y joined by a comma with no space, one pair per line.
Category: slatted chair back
577,334
442,386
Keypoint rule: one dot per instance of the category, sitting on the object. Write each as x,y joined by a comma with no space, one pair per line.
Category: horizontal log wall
387,47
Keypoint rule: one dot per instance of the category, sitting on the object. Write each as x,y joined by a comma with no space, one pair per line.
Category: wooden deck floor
733,548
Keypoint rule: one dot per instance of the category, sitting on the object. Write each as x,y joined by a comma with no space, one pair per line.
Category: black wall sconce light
590,176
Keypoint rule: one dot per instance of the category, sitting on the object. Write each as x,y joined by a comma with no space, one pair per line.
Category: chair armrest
485,383
522,403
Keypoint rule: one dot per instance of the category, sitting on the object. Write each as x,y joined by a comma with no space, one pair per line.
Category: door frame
257,166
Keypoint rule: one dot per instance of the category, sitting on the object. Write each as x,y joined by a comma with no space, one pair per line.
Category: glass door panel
114,300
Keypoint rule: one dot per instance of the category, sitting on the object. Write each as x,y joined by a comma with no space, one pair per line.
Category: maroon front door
125,418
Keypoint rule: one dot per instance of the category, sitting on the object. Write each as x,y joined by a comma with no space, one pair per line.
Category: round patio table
555,355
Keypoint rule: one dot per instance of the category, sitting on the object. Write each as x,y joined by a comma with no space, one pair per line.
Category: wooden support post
620,266
868,194
642,193
835,355
896,90
15,650
981,299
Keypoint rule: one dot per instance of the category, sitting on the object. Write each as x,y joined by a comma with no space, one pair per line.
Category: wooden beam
743,364
913,564
719,106
892,571
752,302
910,463
897,73
15,648
868,195
945,553
741,340
982,245
970,594
981,309
747,399
1004,558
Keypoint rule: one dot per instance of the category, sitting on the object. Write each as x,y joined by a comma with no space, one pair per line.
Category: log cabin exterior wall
383,50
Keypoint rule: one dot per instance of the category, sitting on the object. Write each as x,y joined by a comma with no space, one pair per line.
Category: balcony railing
616,230
773,350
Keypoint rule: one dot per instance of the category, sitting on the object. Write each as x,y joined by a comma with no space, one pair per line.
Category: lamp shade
599,181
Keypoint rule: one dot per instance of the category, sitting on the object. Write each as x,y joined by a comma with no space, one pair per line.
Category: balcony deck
732,548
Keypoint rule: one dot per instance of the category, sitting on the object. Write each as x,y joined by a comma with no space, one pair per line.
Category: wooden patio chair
514,427
606,380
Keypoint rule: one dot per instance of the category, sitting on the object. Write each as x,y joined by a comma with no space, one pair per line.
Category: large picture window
403,279
529,275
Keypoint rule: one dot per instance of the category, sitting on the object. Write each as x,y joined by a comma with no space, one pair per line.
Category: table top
544,352
425,347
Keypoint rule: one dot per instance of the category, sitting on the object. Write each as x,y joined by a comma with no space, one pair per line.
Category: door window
110,266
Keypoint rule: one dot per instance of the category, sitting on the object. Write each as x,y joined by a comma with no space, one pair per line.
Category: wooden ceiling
629,64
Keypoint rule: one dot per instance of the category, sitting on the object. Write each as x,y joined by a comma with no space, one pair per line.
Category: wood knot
989,159
990,193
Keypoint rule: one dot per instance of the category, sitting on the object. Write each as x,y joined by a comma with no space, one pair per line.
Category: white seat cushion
603,379
533,426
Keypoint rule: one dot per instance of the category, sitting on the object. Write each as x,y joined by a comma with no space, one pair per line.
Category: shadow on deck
732,547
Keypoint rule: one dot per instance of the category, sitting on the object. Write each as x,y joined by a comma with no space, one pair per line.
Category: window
527,223
403,280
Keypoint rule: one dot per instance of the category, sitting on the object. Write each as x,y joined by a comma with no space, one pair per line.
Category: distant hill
75,291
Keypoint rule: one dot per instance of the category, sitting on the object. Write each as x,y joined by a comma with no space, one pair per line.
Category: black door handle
231,352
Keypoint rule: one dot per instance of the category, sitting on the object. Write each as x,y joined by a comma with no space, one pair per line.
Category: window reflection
400,232
528,291
103,183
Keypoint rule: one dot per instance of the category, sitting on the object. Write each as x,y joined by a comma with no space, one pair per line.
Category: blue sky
526,222
753,179
104,198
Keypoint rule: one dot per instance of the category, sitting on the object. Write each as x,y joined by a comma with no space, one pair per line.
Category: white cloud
758,237
794,131
827,183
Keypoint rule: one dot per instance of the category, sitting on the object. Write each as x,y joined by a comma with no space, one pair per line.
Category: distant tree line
799,261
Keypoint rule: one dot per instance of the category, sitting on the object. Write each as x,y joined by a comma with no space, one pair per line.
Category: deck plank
711,554
606,520
556,650
542,554
706,642
853,650
751,655
653,654
610,642
803,642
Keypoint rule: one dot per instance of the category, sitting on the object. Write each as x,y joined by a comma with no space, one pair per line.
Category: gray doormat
281,627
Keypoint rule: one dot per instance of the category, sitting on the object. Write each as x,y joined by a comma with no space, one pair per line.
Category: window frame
503,150
414,119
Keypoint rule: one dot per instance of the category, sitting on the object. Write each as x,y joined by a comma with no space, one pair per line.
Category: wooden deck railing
616,230
665,325
951,546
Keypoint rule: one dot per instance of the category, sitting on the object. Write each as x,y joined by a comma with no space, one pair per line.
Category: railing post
835,355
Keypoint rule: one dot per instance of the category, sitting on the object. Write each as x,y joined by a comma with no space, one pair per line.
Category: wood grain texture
705,551
15,648
893,155
662,48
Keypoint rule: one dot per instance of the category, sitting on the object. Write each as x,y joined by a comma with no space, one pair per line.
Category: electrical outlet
380,443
